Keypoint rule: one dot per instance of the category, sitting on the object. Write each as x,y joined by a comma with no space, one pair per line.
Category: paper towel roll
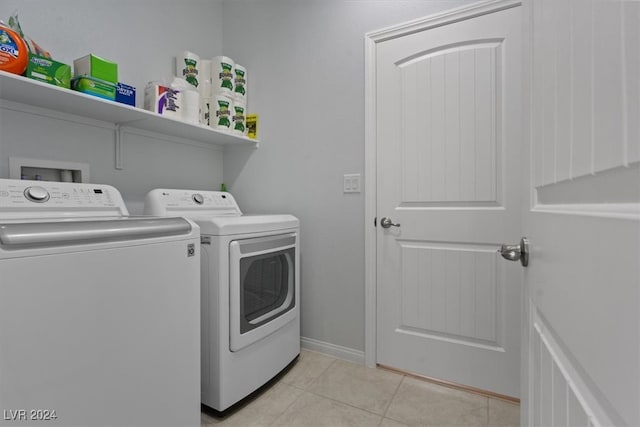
240,83
204,79
66,175
239,118
191,102
205,89
222,75
188,67
204,73
163,99
221,112
205,110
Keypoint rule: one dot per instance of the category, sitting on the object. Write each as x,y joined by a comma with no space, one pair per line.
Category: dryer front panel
263,287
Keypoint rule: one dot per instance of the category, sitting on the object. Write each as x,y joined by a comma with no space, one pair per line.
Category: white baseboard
345,353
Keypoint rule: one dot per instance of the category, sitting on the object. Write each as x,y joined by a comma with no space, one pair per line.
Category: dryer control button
36,194
198,198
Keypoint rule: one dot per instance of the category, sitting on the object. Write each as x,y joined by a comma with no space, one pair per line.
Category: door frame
370,140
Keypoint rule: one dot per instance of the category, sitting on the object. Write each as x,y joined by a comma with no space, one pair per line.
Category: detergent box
94,66
48,71
126,94
252,126
96,87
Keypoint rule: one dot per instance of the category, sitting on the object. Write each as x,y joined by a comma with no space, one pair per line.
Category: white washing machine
99,312
250,292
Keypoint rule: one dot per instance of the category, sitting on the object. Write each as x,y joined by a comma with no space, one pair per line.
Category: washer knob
36,194
198,198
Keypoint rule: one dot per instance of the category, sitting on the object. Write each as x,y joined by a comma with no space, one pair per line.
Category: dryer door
263,288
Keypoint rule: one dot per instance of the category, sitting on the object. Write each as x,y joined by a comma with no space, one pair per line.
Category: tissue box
95,87
126,94
48,71
97,67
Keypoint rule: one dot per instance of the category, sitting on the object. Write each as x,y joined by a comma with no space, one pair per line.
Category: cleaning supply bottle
14,55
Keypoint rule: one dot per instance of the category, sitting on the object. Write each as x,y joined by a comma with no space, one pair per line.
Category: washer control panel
64,198
163,202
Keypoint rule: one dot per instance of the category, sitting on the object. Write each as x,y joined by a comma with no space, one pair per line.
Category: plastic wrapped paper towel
190,100
222,75
188,67
221,112
161,98
177,100
239,117
240,84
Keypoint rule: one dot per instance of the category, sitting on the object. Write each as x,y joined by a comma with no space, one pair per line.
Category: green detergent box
48,71
94,66
96,87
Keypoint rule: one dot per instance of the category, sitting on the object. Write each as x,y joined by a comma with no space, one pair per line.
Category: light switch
351,183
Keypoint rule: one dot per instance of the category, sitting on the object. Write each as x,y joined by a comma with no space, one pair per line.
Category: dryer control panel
44,199
168,202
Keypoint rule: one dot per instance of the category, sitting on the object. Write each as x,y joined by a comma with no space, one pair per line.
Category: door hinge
205,240
375,221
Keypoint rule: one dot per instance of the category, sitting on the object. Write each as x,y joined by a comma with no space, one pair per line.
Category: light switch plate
351,183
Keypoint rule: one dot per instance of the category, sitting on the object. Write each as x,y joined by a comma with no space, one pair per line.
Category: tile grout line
320,374
344,403
303,389
382,416
273,423
391,401
386,409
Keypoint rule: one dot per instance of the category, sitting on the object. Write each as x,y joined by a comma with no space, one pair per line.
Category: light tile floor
320,390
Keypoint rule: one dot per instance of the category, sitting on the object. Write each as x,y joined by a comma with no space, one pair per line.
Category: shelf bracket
118,147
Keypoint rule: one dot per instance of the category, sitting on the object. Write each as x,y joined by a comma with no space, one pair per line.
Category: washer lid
224,226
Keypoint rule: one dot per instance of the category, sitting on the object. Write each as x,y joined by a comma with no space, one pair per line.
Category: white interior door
583,217
448,131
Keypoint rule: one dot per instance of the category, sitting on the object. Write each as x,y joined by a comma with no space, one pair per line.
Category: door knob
387,222
516,252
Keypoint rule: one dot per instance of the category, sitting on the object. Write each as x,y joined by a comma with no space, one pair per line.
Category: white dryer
250,297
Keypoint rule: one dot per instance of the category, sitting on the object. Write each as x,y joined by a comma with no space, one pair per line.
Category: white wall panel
564,90
631,71
558,398
586,102
547,76
582,57
560,391
537,125
608,85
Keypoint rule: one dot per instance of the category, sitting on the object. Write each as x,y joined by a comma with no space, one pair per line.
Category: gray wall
305,62
143,37
306,80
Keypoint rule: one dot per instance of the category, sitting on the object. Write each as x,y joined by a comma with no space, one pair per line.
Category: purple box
126,94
